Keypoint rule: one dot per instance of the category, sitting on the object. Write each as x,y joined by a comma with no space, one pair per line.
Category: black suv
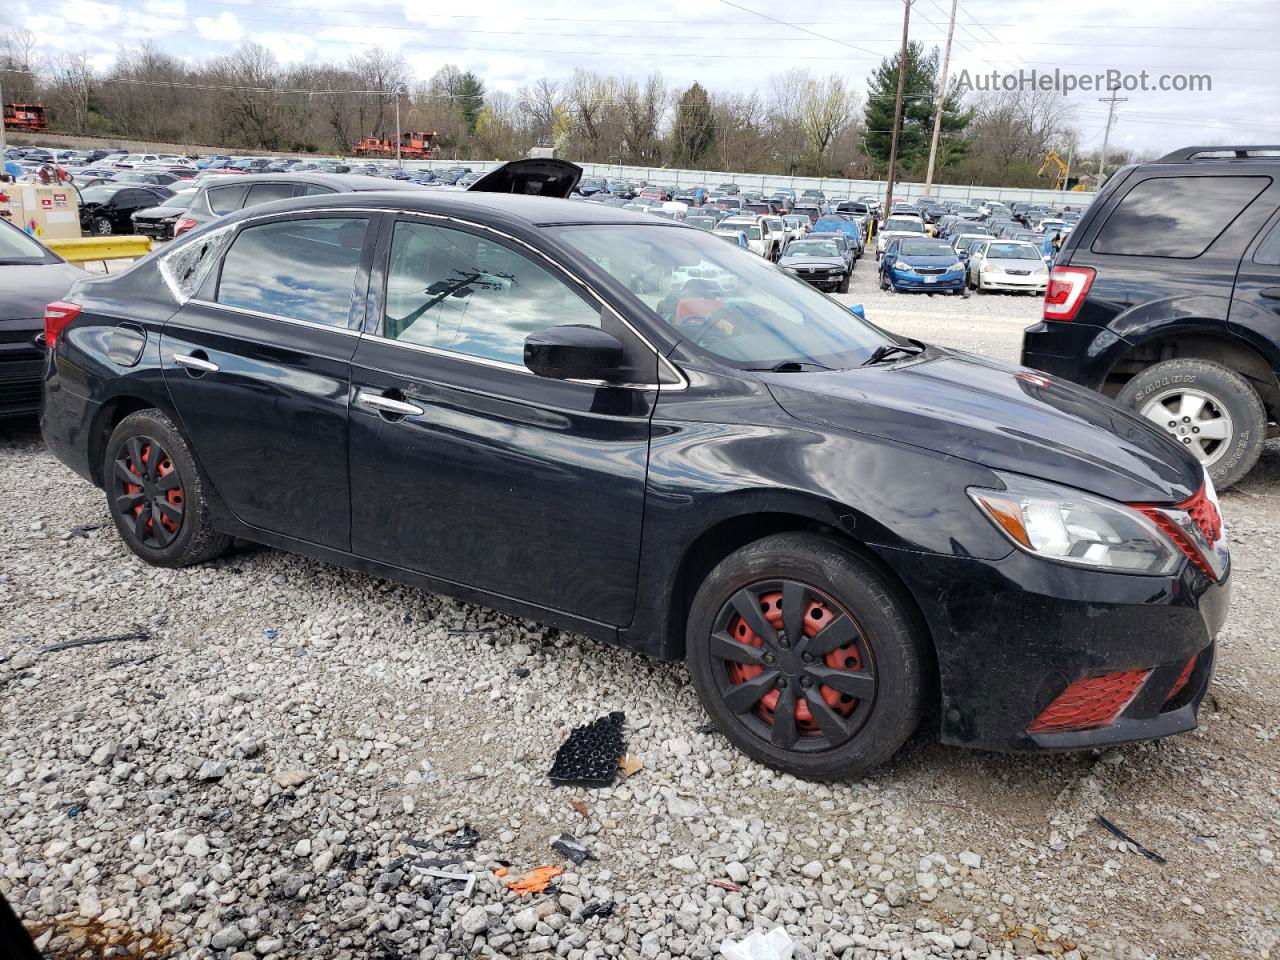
1166,296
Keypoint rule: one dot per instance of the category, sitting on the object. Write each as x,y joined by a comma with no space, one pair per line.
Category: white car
761,238
1014,265
899,225
797,227
130,160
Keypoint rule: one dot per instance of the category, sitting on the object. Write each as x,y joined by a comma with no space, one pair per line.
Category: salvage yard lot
141,781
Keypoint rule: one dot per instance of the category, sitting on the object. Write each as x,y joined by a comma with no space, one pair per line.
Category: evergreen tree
695,128
919,100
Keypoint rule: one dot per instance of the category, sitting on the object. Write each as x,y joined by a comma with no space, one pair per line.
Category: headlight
994,268
955,266
903,266
835,269
1069,526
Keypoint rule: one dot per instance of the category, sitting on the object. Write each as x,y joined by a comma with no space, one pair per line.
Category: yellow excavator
1061,181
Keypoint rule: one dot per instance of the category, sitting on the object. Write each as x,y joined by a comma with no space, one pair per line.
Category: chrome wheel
1195,419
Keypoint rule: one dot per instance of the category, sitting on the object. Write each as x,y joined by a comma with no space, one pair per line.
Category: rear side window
301,269
224,200
314,189
1176,217
1268,251
266,192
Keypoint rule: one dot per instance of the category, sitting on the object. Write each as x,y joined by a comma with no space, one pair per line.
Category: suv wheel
1207,408
156,493
805,658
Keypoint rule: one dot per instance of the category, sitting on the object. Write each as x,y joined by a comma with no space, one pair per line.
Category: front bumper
1009,281
1012,635
927,282
823,280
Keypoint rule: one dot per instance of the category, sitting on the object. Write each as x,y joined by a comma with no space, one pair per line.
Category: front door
258,367
466,466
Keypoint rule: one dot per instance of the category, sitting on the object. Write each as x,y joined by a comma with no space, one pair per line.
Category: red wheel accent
137,461
815,618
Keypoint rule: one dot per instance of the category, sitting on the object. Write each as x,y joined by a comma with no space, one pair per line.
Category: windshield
731,303
904,225
812,248
16,245
1012,251
926,248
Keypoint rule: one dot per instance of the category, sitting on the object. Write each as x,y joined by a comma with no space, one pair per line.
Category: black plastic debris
598,908
589,758
92,641
82,530
572,848
464,839
1115,831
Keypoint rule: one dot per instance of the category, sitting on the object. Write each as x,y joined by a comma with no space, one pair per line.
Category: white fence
766,183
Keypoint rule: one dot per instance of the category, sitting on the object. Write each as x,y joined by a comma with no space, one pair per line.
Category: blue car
923,264
838,224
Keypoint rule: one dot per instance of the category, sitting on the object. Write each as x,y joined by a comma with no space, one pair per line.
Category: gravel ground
265,774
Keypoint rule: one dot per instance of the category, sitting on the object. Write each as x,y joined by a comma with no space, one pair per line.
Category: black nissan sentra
627,428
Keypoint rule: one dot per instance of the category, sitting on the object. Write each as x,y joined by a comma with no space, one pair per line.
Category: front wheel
101,227
806,658
156,493
843,286
1206,408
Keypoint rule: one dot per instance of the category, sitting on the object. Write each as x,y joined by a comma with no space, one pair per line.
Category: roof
494,208
345,182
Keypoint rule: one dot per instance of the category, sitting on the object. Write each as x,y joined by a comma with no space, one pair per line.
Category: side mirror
573,352
857,310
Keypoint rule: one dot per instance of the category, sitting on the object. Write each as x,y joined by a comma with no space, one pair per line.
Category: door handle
397,408
1271,293
195,363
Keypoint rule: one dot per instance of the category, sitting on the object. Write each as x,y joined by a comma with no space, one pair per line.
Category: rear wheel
101,227
156,493
805,658
1208,409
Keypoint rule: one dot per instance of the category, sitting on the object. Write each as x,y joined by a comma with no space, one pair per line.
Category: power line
793,26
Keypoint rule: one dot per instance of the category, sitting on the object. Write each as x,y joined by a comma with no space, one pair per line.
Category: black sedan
625,427
158,222
108,208
818,262
31,276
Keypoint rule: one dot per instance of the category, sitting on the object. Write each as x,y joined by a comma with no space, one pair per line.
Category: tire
1158,394
885,657
843,285
884,284
179,534
101,227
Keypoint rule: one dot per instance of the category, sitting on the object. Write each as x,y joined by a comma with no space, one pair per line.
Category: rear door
1255,306
258,367
466,466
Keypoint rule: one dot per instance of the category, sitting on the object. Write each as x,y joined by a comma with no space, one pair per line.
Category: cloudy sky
728,45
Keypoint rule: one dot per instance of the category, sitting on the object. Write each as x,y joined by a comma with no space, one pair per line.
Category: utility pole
897,108
1066,177
1111,102
2,140
399,162
942,98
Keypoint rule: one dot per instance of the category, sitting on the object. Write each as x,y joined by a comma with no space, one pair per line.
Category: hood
26,288
536,177
1000,416
940,261
836,261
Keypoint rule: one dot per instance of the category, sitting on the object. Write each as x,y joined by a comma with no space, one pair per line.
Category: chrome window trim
344,330
682,381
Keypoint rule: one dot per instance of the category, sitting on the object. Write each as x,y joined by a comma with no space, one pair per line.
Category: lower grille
1091,702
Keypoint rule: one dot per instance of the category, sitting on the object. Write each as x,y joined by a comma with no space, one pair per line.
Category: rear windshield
1176,217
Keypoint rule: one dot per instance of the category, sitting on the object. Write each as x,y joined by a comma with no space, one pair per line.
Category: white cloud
287,47
225,29
88,13
165,8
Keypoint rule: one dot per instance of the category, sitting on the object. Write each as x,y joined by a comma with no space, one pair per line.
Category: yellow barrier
87,249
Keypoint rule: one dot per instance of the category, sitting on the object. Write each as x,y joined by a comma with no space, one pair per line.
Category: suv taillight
182,226
1068,287
56,317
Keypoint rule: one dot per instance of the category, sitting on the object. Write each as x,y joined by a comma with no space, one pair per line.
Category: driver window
465,293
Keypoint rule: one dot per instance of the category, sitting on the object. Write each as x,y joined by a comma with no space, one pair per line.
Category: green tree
695,127
464,91
919,100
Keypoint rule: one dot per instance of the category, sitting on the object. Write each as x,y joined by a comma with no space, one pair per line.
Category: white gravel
258,778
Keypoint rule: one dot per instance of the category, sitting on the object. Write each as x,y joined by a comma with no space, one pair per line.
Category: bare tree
72,84
827,108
